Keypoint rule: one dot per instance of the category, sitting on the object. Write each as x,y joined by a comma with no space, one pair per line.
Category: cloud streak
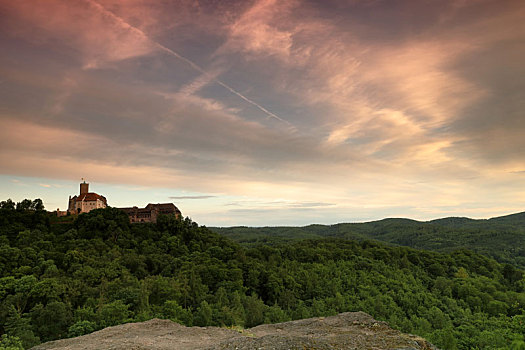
192,64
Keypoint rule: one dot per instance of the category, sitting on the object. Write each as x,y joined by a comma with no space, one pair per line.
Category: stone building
151,212
86,201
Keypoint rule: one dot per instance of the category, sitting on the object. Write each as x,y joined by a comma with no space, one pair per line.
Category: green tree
496,307
10,343
173,311
20,327
113,314
204,314
274,314
81,328
52,320
444,338
254,311
517,345
7,204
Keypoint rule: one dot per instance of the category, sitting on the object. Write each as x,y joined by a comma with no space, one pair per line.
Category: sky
267,112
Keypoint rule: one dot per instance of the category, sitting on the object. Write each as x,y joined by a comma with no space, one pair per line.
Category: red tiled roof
90,196
161,206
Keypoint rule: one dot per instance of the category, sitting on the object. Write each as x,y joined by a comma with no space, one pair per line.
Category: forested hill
66,279
502,238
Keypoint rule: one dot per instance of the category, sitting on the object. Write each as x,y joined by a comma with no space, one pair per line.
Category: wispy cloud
275,204
193,197
100,41
141,34
310,204
257,31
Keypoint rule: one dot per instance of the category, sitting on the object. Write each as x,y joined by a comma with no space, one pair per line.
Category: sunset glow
267,112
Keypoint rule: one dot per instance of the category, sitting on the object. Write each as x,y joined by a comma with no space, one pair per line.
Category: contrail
182,58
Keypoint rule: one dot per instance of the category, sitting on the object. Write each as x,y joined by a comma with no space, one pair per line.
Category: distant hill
502,238
517,219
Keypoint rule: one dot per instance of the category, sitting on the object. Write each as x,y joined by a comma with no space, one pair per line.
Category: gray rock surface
350,330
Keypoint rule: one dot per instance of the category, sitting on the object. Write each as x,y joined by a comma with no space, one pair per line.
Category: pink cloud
380,94
262,30
84,26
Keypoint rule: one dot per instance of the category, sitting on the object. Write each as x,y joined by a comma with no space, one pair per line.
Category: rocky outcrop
350,330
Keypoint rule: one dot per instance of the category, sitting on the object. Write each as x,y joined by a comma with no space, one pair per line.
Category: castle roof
161,206
90,196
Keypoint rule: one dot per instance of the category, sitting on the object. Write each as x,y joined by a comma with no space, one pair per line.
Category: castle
151,212
87,201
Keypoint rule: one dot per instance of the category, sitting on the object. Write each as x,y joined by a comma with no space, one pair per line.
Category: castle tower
84,188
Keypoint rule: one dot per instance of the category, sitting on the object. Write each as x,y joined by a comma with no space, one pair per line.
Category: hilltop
351,330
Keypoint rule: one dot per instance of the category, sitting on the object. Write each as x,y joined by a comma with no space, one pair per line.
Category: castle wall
87,206
151,212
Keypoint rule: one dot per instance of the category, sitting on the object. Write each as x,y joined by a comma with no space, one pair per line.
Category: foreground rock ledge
349,330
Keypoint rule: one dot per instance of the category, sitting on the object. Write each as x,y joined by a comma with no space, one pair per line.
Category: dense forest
502,238
64,278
